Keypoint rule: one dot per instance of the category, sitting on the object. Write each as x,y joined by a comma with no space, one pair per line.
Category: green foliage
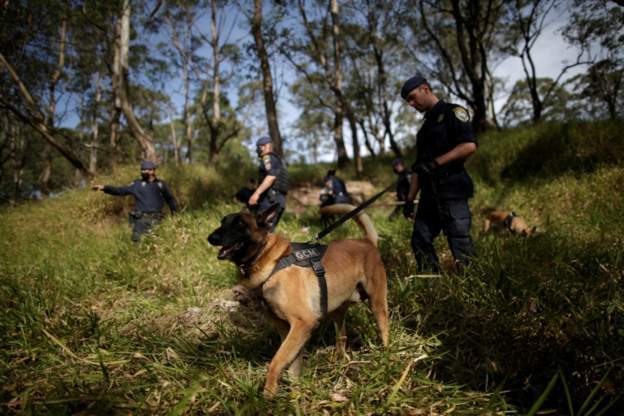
91,323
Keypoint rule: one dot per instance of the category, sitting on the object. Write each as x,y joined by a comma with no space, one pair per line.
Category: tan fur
293,296
361,218
495,221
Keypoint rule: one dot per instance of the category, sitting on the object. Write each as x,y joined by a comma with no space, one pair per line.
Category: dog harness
508,220
307,255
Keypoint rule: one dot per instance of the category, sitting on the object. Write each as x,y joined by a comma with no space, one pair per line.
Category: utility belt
274,192
137,215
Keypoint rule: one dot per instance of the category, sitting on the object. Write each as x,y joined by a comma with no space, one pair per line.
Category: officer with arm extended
443,143
273,181
150,195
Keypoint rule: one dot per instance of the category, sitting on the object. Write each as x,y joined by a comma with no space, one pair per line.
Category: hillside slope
90,322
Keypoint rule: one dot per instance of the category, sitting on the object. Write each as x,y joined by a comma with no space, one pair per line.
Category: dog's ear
268,215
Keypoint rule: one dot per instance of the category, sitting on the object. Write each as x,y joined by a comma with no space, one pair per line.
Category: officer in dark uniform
150,194
402,186
273,181
335,191
443,143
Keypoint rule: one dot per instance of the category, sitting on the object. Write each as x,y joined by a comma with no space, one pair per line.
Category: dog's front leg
290,349
294,371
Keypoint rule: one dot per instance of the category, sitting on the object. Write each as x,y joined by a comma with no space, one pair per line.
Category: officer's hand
97,187
253,200
426,168
408,209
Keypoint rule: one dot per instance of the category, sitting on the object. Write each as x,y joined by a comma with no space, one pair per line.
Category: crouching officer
150,194
402,186
272,179
335,190
443,143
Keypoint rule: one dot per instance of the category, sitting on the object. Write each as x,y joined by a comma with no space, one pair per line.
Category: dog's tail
362,219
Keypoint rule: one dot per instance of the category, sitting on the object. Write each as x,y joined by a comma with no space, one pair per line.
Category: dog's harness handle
307,255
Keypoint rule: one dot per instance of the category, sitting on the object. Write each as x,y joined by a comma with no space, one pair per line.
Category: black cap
147,164
414,82
263,140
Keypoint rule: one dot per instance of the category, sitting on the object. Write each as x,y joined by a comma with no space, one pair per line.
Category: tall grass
91,323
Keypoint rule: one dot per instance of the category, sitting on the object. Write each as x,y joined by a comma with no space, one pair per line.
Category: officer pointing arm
150,194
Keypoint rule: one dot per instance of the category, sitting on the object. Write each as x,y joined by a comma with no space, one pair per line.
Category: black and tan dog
353,271
498,220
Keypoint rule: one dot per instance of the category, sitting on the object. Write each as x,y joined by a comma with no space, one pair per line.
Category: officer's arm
169,198
459,152
265,184
118,190
413,189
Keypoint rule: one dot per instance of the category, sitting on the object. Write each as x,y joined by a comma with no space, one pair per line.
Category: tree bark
267,78
122,46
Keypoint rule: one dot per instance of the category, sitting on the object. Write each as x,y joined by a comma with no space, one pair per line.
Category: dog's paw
241,294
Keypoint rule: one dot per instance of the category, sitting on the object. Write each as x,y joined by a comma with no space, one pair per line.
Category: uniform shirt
338,191
272,165
403,185
446,126
149,197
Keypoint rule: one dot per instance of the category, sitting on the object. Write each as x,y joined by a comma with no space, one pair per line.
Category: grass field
93,324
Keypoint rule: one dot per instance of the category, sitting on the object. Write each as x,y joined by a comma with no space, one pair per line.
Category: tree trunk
367,142
357,157
95,131
215,123
343,159
122,46
267,78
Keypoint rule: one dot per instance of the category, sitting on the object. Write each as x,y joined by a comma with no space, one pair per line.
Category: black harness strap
508,220
307,255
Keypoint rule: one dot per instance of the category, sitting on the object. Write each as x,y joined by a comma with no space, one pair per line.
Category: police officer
402,186
335,191
443,143
150,194
273,181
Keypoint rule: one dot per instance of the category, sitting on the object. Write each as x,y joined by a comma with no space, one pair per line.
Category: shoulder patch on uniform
266,159
440,118
461,113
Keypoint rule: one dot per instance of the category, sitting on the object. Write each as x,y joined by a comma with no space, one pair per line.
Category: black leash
351,213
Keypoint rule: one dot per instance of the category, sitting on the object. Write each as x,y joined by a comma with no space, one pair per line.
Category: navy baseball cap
414,82
147,164
397,161
263,140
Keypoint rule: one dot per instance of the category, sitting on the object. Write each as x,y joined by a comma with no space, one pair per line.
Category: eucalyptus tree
184,41
458,40
596,27
312,44
33,53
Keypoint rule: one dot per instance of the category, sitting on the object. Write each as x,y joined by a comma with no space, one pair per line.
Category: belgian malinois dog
498,220
353,272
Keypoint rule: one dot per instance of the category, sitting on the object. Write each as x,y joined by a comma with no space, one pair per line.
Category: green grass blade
540,401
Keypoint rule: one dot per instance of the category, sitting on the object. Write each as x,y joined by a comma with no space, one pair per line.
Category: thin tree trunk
367,142
357,157
267,78
343,159
122,47
215,124
95,131
46,172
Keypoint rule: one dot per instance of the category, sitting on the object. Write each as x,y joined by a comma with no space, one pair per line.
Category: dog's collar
245,267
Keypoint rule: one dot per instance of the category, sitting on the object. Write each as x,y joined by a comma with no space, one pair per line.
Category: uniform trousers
450,216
